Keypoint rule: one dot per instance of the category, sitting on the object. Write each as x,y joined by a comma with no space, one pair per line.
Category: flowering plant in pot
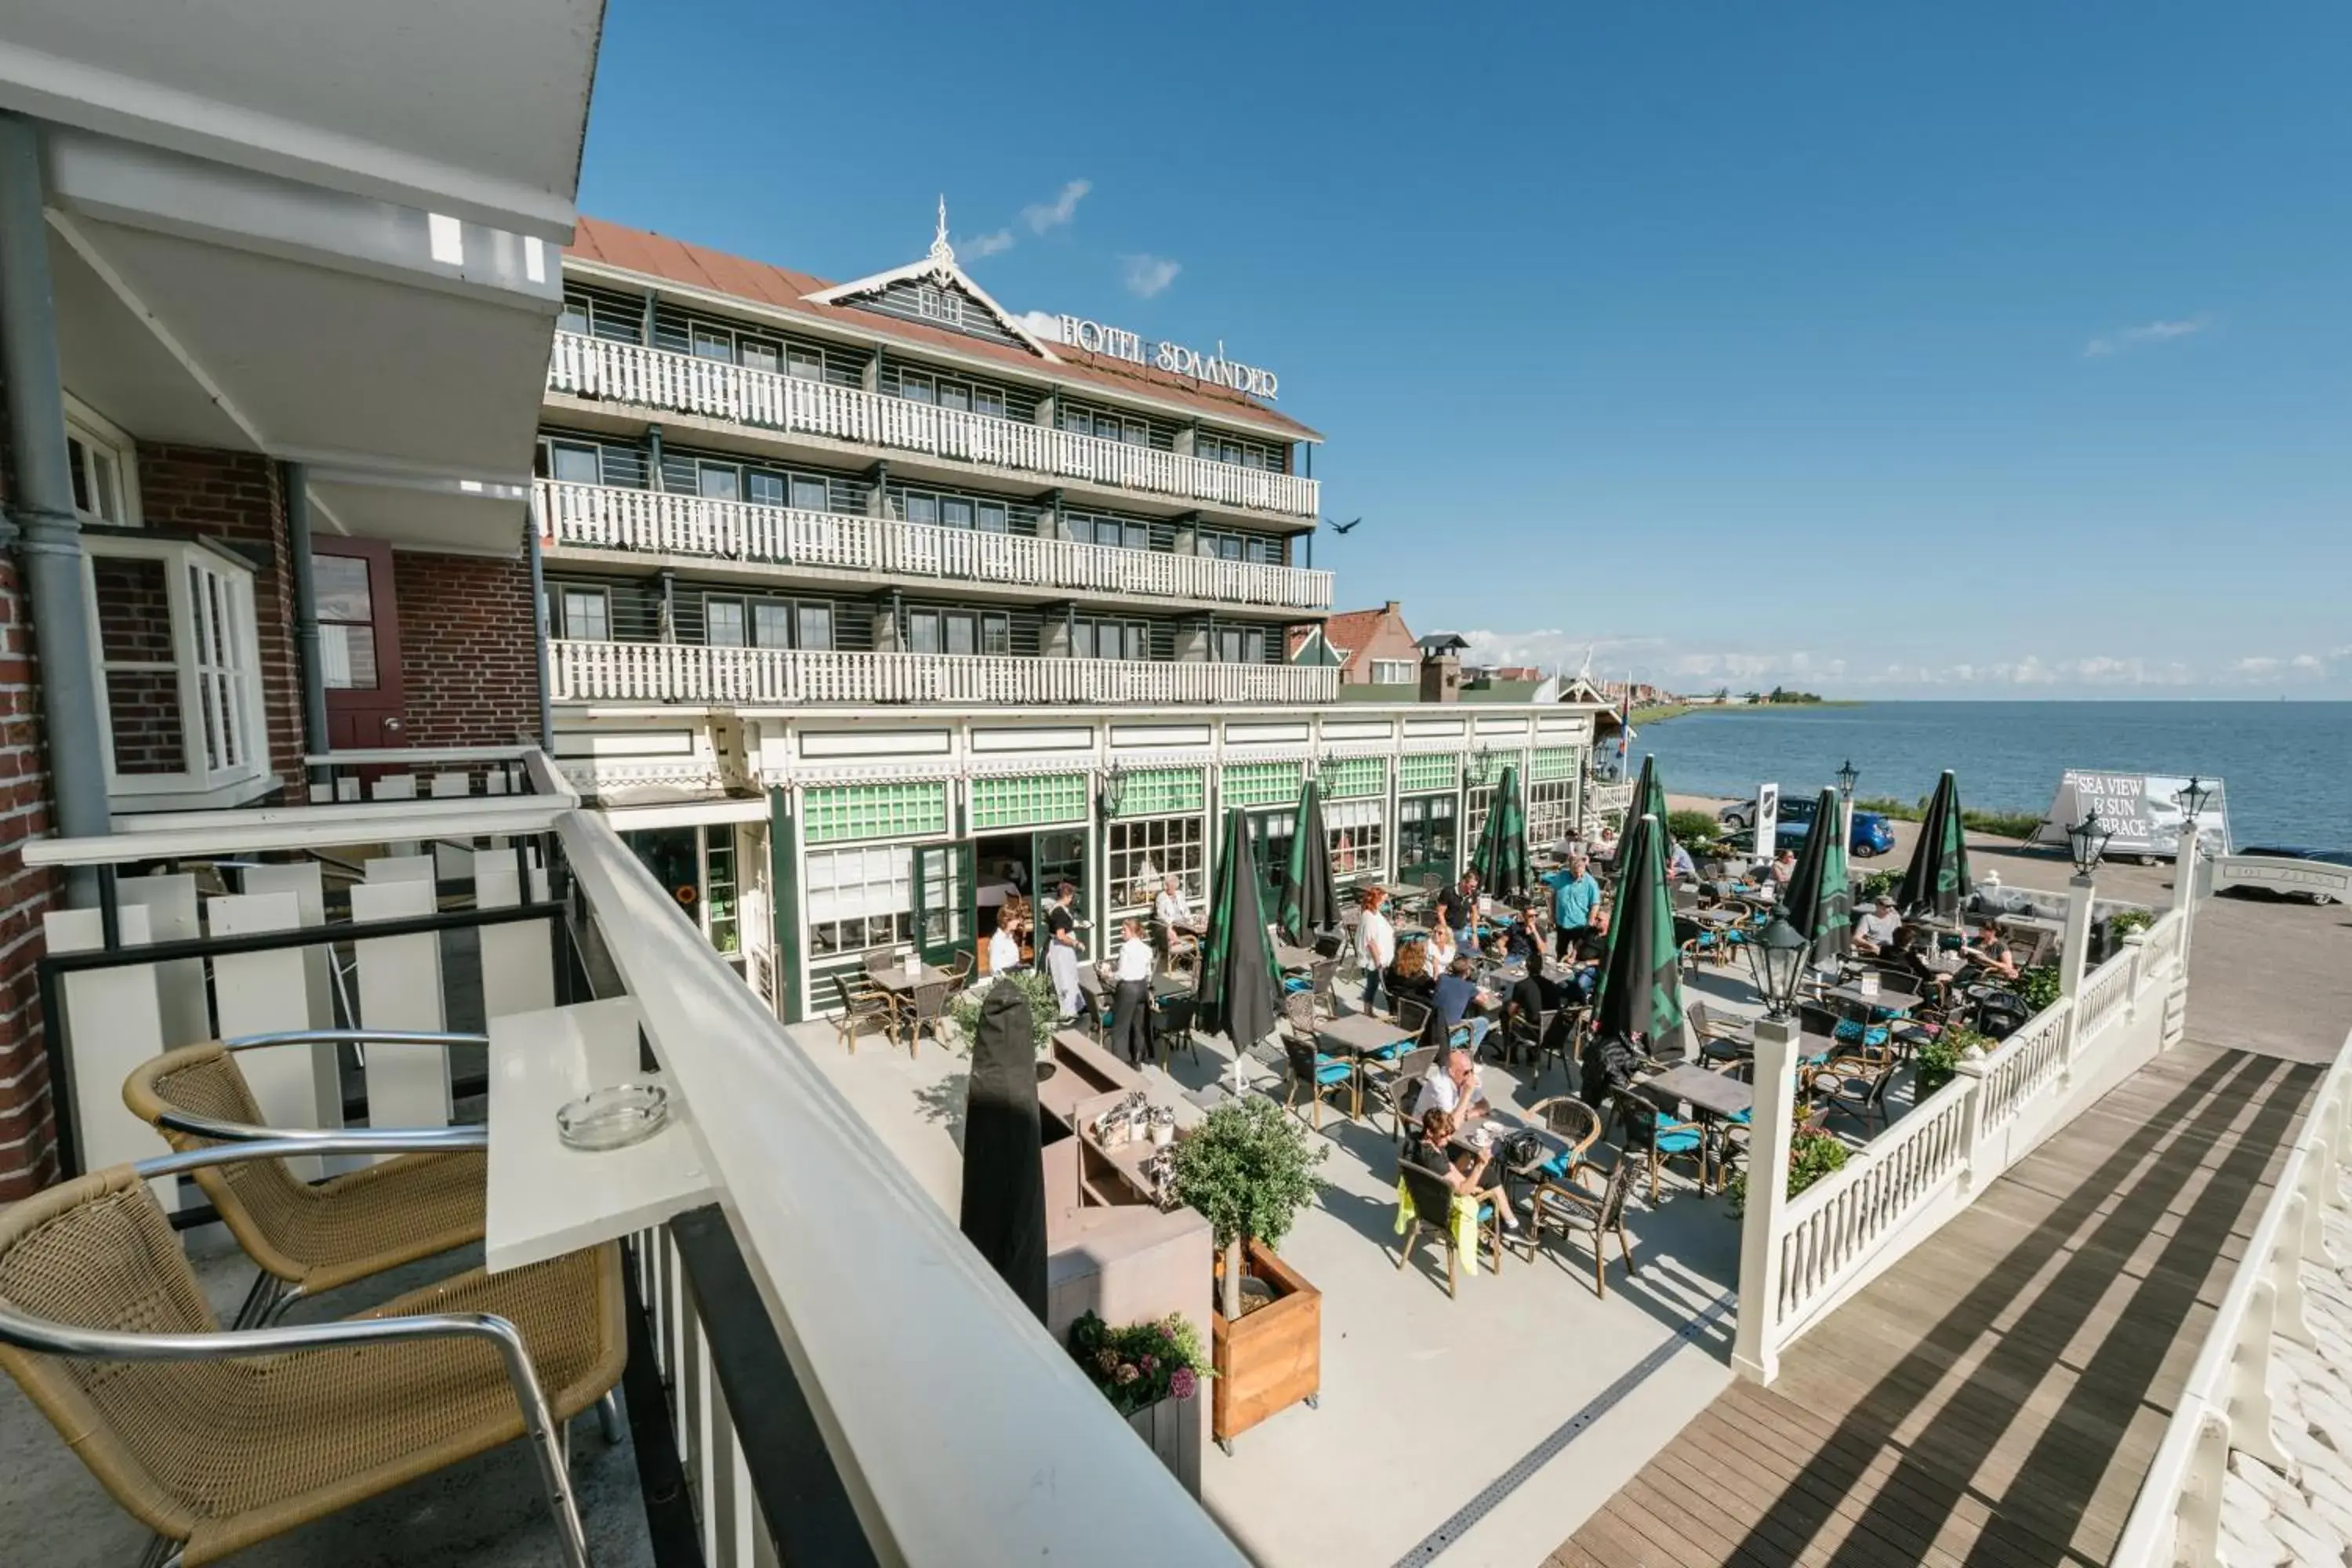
1140,1364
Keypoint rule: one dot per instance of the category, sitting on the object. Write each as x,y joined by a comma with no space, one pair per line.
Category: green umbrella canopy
1501,860
1820,905
1238,991
1310,903
1937,877
1641,980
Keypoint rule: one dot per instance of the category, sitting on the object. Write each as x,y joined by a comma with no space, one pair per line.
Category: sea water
2288,765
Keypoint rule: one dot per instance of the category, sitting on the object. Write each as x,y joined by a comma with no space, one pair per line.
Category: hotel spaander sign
1175,358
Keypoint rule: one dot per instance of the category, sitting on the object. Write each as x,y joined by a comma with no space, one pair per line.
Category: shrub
2122,922
2038,986
1142,1365
1248,1171
1813,1154
1879,882
1694,828
1044,1007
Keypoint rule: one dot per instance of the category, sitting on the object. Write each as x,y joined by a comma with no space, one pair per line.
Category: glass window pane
995,634
765,490
805,364
923,631
585,617
575,464
989,401
347,657
1082,641
712,345
772,624
992,518
717,482
955,512
572,318
916,388
758,356
920,508
341,584
816,625
723,619
809,495
962,635
954,395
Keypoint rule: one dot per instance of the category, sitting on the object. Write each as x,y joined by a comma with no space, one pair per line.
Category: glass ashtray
614,1118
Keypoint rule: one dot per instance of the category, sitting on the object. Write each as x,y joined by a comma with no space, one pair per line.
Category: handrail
911,1352
419,756
303,827
2177,1517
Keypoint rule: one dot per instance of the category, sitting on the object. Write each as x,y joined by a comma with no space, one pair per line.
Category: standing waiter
1130,1011
1062,951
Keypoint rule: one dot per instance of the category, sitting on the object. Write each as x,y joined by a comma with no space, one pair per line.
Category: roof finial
941,252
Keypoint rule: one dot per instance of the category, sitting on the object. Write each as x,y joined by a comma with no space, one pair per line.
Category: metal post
1770,1134
312,673
539,625
49,543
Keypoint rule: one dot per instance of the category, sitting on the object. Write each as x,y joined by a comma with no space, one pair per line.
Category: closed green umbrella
1238,991
1820,905
1937,877
1501,861
1003,1209
1310,903
1641,980
1648,795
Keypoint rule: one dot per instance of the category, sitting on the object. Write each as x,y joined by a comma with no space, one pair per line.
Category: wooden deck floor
1995,1397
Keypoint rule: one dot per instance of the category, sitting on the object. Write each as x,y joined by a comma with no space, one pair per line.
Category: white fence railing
607,517
1898,1189
763,677
655,378
2226,1405
1607,797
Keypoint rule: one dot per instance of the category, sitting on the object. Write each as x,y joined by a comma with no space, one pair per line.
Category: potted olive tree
1248,1170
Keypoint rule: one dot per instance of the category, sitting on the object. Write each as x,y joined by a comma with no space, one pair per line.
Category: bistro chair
1571,1120
1855,1086
927,1010
1171,954
878,958
1562,1038
1431,1207
217,1439
863,1003
1400,1086
1573,1209
1322,977
305,1237
1720,1037
960,975
1171,1028
1660,1138
1318,1074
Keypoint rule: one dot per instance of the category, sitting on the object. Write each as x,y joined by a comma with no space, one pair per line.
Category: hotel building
867,604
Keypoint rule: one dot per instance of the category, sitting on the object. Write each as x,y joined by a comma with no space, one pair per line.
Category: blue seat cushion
1486,1212
1738,1118
1332,1072
1851,1033
1682,1142
1388,1053
1558,1164
1296,984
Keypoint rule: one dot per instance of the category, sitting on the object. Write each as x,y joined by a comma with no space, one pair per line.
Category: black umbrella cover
1004,1168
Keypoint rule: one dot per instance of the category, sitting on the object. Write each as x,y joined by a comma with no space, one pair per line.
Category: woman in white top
1441,948
1376,940
1004,943
1131,1013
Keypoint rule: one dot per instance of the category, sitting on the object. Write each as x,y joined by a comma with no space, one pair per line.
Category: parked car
1787,835
1873,834
2297,852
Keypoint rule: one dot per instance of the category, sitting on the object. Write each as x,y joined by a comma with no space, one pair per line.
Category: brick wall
134,625
465,653
27,1135
240,498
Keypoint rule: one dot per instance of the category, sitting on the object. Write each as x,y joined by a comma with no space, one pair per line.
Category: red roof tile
675,262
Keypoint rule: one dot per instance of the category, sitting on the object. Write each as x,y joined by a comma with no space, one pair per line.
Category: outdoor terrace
883,550
597,369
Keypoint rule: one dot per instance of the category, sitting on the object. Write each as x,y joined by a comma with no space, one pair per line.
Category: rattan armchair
861,1002
1572,1208
217,1440
306,1238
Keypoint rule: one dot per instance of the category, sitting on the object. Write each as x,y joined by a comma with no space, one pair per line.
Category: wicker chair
1570,1208
217,1440
927,1010
1171,1029
1432,1209
1318,1074
863,1003
1398,1087
306,1238
1855,1086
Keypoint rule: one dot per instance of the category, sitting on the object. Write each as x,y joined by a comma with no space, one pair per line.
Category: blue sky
2025,327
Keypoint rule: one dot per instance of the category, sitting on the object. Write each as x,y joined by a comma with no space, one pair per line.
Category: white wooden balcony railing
655,378
607,517
760,676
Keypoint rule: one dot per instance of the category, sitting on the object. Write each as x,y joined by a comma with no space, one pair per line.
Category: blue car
1873,834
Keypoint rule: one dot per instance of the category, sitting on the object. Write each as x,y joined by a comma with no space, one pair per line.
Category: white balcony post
2184,886
1971,1070
1754,1352
2074,960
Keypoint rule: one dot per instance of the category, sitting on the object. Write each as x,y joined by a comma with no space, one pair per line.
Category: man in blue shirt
1457,993
1574,896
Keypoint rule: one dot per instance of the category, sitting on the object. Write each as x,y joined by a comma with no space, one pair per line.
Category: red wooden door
359,644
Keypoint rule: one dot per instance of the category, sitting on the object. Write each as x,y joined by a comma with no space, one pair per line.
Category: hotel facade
868,606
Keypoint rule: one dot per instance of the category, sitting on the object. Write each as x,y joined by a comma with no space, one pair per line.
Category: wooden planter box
1272,1359
1172,1429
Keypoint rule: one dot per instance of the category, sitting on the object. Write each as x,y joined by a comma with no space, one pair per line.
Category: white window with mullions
958,632
1358,830
859,898
104,470
1143,849
1393,672
587,614
173,635
1551,804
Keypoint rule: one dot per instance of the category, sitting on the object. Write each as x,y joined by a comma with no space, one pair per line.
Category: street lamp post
2086,841
1777,957
2192,798
1846,779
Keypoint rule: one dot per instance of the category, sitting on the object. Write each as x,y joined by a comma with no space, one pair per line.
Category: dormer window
941,305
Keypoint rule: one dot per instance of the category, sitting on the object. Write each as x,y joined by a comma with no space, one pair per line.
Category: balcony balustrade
763,677
607,517
655,378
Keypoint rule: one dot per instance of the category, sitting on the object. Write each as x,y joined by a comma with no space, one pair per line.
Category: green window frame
1353,776
840,814
1162,792
1263,783
1486,767
1426,772
1028,800
1552,763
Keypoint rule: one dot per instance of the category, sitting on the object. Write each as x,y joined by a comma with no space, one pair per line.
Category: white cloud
1146,276
982,246
1045,216
2260,664
1041,325
2152,332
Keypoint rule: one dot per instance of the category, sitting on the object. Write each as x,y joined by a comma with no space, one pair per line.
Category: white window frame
1393,672
1181,847
215,676
603,610
96,434
1364,819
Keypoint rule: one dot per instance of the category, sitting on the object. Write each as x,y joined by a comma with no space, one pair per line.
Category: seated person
1466,1175
1531,997
1680,867
1171,910
1990,954
1521,944
1777,875
1451,1084
1909,957
1410,976
1442,950
1457,996
1874,932
1606,1070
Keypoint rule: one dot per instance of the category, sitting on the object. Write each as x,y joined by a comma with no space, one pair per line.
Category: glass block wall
1428,771
1264,783
840,813
1354,776
1162,792
1031,800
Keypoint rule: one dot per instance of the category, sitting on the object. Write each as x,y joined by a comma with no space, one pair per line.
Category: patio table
1711,1094
1886,999
1359,1035
892,977
1287,957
